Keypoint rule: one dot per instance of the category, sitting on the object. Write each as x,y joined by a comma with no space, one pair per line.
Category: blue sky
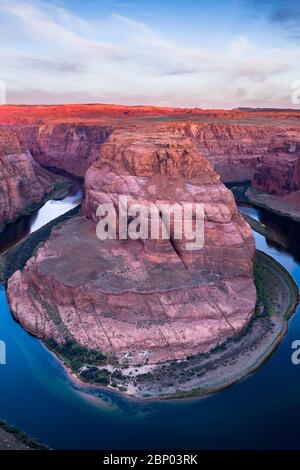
212,54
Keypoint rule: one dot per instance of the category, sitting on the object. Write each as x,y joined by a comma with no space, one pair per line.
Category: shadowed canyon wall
23,182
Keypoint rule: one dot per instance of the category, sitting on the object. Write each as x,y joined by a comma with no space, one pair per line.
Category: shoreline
244,194
59,191
270,203
260,228
13,438
196,376
236,351
17,255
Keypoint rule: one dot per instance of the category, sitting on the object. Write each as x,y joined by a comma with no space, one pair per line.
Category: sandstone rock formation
149,301
142,301
233,149
276,182
279,173
23,181
69,137
69,147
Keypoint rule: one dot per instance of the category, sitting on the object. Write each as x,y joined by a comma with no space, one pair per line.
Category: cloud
51,55
178,71
255,63
286,13
35,95
288,17
241,58
280,14
48,23
49,66
166,56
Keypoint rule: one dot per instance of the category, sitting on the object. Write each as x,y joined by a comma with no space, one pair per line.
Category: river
262,411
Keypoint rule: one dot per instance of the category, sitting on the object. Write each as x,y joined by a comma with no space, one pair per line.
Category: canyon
118,297
24,183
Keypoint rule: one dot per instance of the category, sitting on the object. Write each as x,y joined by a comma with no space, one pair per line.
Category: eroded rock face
234,150
142,301
69,147
23,181
276,183
279,174
157,166
69,137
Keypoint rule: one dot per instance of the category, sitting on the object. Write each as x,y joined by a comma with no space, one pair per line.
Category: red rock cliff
23,181
279,173
276,182
233,149
68,147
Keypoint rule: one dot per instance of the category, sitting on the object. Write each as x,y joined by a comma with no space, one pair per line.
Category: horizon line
194,108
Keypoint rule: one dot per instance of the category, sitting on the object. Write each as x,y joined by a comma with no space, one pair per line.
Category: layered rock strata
68,147
142,301
23,182
276,182
234,150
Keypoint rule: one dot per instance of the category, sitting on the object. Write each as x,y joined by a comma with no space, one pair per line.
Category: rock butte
119,297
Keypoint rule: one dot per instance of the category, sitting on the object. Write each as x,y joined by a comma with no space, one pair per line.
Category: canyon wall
276,182
23,182
70,137
279,173
233,149
68,147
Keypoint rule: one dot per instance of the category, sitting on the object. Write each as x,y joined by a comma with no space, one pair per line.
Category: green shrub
95,375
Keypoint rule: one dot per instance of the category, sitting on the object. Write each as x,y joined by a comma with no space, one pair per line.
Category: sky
192,53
